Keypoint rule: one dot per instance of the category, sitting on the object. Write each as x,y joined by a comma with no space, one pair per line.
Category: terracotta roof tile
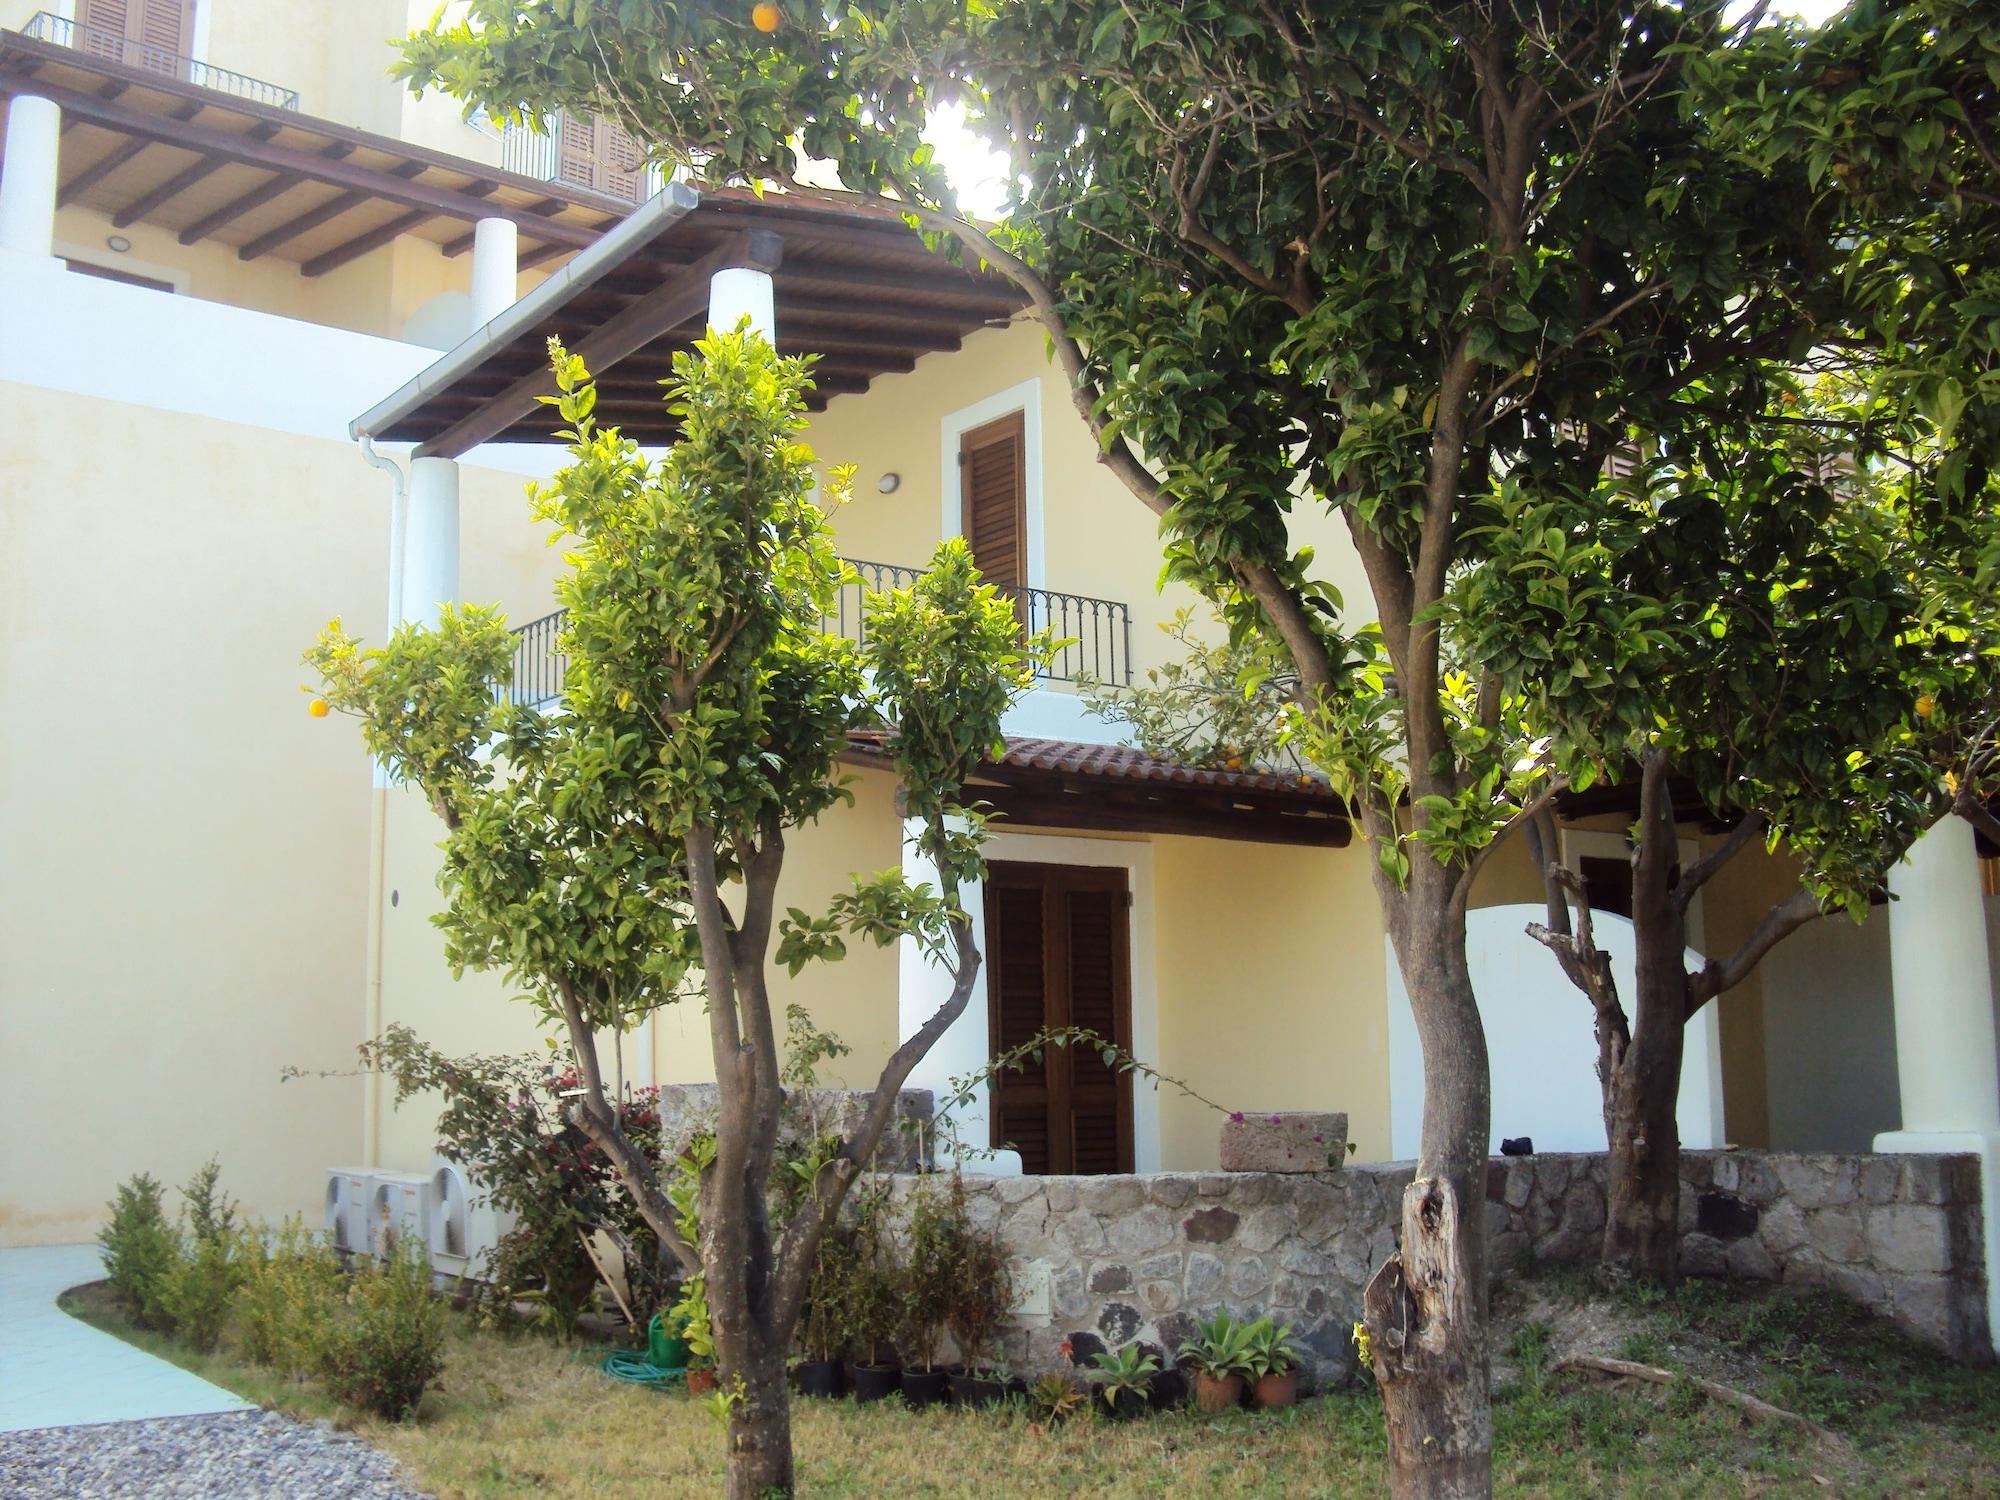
1120,762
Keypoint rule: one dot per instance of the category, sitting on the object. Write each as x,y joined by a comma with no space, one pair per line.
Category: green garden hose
636,1369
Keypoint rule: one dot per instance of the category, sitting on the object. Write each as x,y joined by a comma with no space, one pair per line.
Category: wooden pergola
857,288
145,147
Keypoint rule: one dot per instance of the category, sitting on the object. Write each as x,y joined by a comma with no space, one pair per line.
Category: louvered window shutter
993,499
104,28
623,163
162,33
576,149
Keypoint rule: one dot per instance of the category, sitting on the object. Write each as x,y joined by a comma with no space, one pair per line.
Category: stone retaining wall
1104,1260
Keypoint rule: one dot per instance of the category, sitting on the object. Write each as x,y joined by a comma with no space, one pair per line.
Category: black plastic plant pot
874,1382
1125,1404
977,1390
922,1388
1168,1389
820,1377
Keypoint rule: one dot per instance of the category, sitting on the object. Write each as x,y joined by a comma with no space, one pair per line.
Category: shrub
930,1275
195,1293
208,1213
983,1293
291,1286
873,1295
140,1248
388,1346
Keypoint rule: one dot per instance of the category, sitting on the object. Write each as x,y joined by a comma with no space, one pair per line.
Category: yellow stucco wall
1272,992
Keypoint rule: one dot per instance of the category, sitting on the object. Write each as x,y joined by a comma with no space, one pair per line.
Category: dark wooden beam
312,218
973,292
110,162
361,244
463,243
393,186
859,319
539,254
682,296
276,186
179,183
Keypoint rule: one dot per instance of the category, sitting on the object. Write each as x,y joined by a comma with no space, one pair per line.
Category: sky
980,175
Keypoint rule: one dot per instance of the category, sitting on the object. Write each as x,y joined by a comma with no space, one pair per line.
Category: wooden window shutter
622,161
163,31
104,28
993,499
576,149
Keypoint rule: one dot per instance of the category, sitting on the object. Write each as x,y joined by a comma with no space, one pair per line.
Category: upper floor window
594,152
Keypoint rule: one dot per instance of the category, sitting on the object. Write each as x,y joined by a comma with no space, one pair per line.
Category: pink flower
1236,1115
1277,1119
1319,1140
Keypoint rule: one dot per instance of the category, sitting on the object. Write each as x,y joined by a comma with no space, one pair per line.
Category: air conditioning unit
465,1226
400,1205
348,1191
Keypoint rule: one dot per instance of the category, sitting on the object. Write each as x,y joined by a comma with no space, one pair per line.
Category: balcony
111,46
591,154
1099,633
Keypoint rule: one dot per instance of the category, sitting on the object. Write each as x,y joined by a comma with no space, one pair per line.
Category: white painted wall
1541,1044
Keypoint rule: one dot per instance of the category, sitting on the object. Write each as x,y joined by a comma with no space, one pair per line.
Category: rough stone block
1204,1278
1907,1237
1210,1226
1147,1229
1751,1261
1838,1233
1296,1142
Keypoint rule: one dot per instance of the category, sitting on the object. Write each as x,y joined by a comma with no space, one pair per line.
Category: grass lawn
520,1416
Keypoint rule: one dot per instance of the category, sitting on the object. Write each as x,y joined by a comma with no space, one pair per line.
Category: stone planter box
1296,1141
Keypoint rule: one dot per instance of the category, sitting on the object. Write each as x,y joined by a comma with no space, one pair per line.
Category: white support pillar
922,986
430,542
28,176
1947,1065
738,292
495,269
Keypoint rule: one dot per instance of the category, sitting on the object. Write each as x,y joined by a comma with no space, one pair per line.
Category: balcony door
593,152
156,35
993,499
1058,954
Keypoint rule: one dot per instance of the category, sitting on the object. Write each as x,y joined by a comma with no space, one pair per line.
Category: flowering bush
505,1121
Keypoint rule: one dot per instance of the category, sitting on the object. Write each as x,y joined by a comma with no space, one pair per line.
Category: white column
1946,1062
495,269
922,986
738,292
28,176
430,543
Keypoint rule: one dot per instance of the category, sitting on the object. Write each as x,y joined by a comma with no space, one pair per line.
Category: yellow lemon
1926,705
317,708
764,17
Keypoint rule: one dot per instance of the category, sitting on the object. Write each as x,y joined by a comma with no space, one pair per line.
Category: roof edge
644,224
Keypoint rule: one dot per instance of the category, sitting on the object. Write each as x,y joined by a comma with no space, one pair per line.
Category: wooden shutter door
1057,949
103,28
993,500
1017,995
163,33
622,163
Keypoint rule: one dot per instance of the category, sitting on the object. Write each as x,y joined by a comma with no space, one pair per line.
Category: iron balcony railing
1098,633
538,154
93,41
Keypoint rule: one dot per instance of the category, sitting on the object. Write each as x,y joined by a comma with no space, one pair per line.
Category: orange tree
623,850
1357,260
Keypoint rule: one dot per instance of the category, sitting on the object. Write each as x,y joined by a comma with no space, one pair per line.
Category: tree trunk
760,1428
1425,1309
1642,1093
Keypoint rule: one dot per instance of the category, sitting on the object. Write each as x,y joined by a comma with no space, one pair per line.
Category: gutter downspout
378,818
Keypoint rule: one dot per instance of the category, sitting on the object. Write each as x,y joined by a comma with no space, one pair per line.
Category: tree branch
1705,869
1780,922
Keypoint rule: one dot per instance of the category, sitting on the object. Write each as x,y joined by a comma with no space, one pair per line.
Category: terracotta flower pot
1217,1393
1276,1390
702,1380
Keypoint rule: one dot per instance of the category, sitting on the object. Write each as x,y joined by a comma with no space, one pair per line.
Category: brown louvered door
623,163
152,34
993,499
576,149
1057,946
593,152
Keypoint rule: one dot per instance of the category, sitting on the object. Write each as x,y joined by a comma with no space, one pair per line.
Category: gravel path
250,1455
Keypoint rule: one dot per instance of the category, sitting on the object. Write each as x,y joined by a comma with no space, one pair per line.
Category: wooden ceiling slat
312,218
671,305
276,186
375,238
110,162
179,183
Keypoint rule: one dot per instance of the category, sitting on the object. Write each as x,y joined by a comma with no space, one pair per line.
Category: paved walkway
58,1372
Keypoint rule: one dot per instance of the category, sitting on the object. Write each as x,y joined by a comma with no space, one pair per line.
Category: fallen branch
1743,1401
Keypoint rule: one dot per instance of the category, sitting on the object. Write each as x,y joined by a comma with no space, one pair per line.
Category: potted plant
1219,1357
691,1313
1125,1379
1053,1399
1273,1364
822,1319
872,1305
980,1302
930,1281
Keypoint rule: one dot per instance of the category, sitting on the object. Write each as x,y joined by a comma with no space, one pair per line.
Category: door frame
1061,1061
1025,398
